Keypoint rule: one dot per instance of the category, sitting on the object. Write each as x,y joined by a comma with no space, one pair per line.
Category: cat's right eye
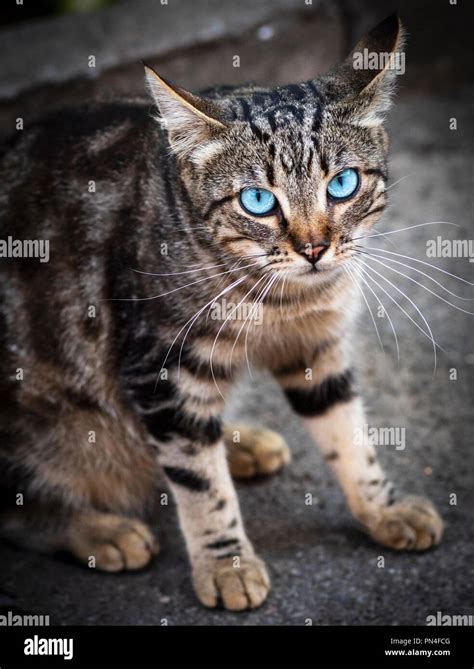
258,201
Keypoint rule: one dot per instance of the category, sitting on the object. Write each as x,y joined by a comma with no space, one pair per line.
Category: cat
114,366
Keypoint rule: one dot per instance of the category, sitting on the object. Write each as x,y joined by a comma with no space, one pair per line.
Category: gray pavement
322,566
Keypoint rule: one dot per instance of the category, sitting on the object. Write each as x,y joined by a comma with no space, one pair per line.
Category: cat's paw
254,451
112,543
411,524
238,588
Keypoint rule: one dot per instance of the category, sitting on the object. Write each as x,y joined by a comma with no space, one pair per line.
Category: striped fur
113,367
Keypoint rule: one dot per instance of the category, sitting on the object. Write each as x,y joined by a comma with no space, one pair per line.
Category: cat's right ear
190,121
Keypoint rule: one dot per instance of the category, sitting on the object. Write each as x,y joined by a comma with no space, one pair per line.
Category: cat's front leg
325,396
187,433
224,565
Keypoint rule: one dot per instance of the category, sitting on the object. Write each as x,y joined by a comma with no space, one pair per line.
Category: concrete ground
322,566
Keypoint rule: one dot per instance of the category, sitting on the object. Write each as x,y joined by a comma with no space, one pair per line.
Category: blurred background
70,52
47,45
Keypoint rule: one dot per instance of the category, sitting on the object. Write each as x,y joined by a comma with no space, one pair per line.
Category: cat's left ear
366,80
190,121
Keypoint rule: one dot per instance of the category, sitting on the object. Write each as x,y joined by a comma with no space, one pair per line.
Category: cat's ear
189,120
366,80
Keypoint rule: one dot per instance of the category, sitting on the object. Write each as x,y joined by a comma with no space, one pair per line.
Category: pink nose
313,252
317,250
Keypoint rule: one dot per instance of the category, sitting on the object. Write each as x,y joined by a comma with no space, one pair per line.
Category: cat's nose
313,252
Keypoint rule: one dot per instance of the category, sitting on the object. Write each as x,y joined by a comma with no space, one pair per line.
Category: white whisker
397,182
188,271
367,305
238,334
430,335
259,301
407,276
410,227
193,283
223,292
221,328
422,262
384,310
285,276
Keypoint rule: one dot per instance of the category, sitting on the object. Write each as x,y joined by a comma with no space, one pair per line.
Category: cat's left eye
344,184
258,201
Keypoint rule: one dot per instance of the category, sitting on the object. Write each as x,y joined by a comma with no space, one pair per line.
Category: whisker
207,316
397,182
221,281
419,271
384,310
379,234
209,305
377,283
367,305
238,334
410,227
188,271
260,300
422,262
430,335
193,283
199,269
222,327
285,276
223,292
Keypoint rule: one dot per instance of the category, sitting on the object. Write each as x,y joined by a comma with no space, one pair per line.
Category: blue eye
257,201
343,184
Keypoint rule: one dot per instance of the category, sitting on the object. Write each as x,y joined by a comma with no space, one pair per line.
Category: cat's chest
270,334
281,339
273,337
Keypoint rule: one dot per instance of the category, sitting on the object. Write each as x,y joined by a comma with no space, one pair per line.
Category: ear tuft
189,120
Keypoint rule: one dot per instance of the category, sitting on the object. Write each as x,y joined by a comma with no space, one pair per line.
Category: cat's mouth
310,266
295,264
297,270
316,269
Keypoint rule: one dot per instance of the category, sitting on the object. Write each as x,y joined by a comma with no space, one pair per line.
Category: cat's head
290,175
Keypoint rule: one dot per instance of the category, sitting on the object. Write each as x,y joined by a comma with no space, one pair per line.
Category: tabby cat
114,367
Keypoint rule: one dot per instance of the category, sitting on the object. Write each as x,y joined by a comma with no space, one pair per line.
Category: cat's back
60,160
69,180
68,188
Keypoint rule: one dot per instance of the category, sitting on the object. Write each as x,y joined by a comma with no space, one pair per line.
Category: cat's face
288,178
292,196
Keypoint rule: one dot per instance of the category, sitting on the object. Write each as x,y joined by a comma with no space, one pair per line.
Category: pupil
259,195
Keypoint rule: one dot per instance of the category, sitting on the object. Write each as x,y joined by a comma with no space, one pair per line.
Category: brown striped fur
112,371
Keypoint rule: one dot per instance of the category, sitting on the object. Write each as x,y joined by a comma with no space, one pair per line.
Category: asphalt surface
322,566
